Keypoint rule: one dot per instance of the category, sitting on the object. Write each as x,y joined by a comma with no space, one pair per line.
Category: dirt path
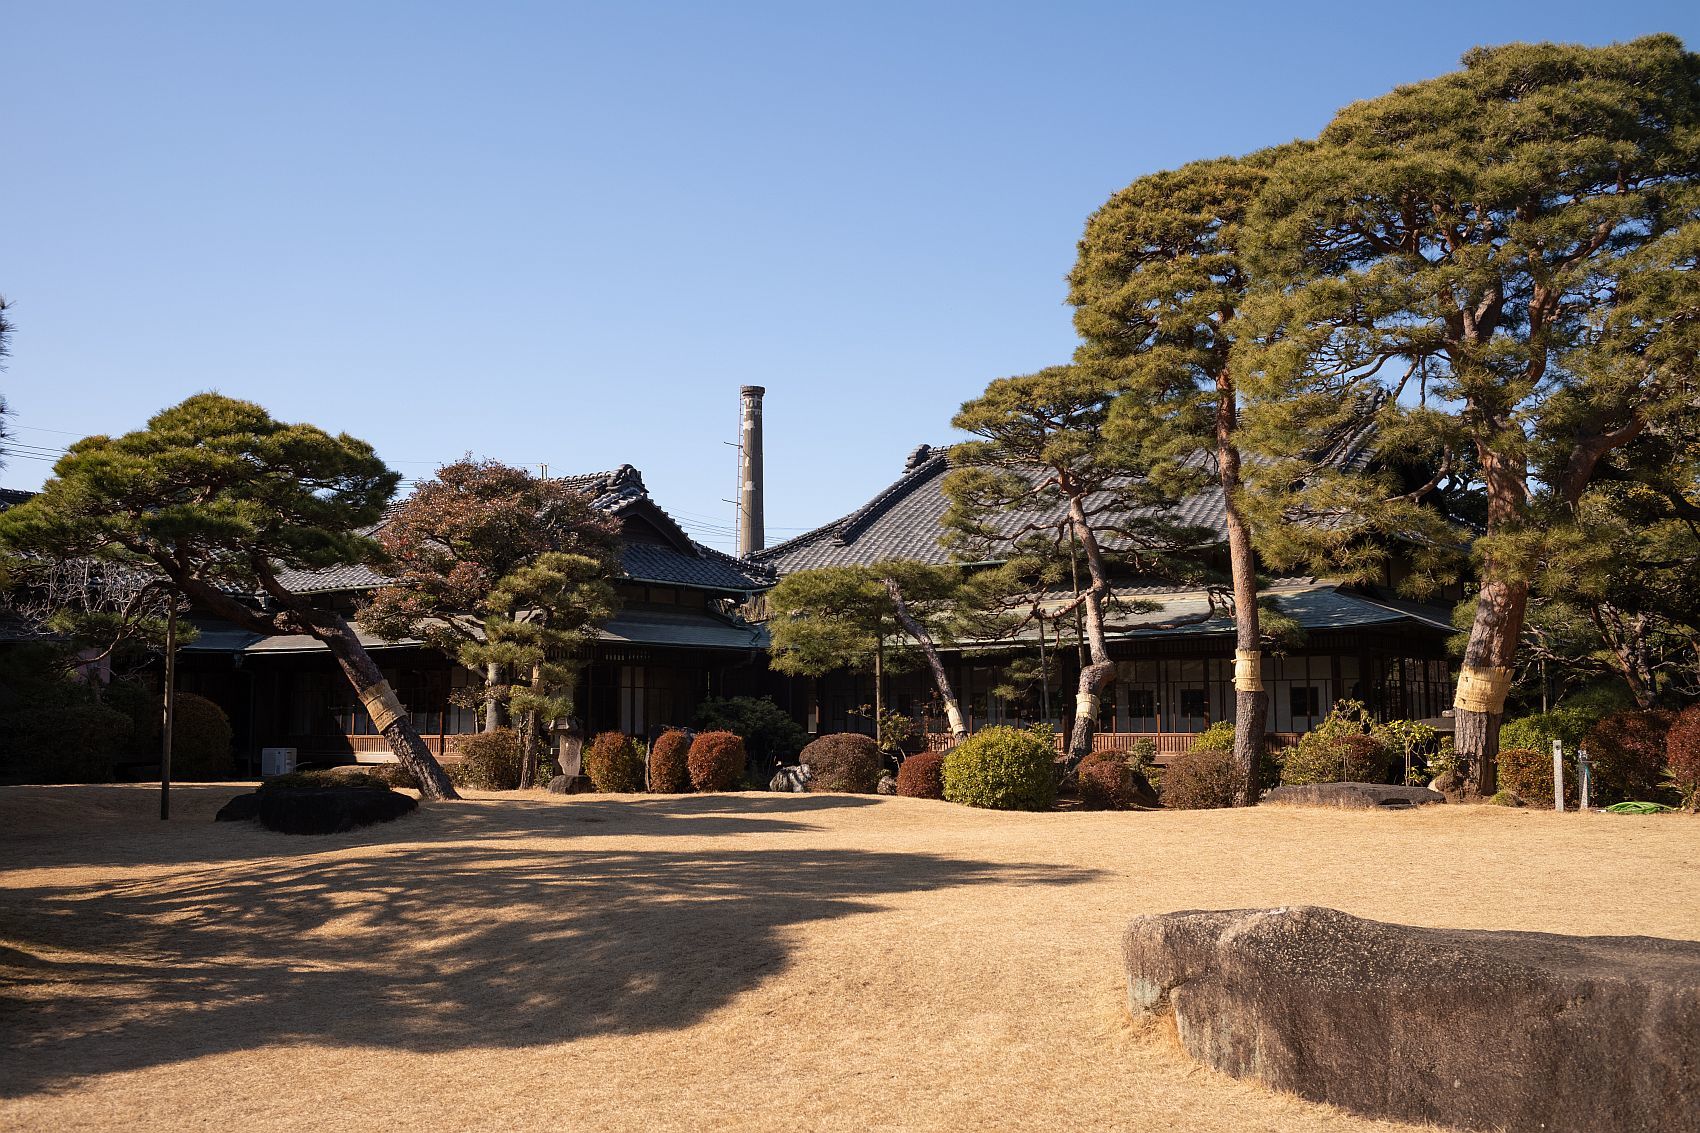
737,962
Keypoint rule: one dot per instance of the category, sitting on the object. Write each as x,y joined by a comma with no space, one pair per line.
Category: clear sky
565,234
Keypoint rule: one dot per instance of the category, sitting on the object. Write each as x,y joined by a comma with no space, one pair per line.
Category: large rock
329,810
242,808
1353,796
1485,1030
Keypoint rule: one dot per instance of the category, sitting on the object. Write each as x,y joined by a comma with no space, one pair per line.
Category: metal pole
1558,775
170,707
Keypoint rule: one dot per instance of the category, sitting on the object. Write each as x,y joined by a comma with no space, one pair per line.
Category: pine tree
218,497
1047,489
1499,262
1157,288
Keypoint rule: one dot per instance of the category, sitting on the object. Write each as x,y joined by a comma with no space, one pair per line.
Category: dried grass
739,962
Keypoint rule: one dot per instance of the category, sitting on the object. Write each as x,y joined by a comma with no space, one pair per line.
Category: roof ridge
923,466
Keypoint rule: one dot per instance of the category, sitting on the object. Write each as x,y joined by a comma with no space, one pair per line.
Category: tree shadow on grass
458,940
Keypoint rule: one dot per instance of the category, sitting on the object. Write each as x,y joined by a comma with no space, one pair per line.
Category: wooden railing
1168,744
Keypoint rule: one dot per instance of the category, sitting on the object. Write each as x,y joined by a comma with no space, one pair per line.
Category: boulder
887,784
240,809
329,810
1477,1029
569,785
793,780
1353,796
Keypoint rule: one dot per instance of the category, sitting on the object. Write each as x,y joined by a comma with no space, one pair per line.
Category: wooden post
1558,775
170,710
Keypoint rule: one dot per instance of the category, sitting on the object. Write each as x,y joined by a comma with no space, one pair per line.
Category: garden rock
568,785
793,780
1477,1029
242,808
329,810
1353,796
887,784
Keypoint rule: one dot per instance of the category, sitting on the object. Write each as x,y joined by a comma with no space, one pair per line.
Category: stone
1353,796
242,808
569,785
793,780
887,784
1469,1028
329,810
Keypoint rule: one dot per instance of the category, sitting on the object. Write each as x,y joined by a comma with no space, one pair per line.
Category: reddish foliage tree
1682,755
669,773
922,776
716,761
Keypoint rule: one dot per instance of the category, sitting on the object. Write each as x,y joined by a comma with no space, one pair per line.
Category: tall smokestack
752,527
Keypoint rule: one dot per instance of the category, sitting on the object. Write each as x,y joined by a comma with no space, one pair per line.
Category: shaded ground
730,962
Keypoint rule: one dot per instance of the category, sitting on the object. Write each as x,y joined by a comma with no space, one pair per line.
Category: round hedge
1682,755
1002,769
70,743
1628,753
613,764
716,761
1321,758
200,739
489,761
669,773
1108,782
846,761
1200,780
1527,773
392,775
921,776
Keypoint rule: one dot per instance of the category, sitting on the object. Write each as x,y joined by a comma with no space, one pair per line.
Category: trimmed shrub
1200,780
1217,737
1527,773
1628,753
613,764
1002,769
716,761
392,775
846,761
1565,724
1348,758
669,774
69,743
1109,781
770,735
200,739
921,776
328,777
489,761
1682,756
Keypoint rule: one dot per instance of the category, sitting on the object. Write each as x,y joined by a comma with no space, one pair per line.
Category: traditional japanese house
1174,650
676,640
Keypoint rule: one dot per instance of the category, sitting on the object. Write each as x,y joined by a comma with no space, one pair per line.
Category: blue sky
566,234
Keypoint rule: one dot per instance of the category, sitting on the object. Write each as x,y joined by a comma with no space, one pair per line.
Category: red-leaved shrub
921,776
716,761
1108,783
1628,753
1682,755
669,773
1200,780
613,764
1527,773
844,761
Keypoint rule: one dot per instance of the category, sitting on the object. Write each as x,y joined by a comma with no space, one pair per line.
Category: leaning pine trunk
1251,701
389,716
1097,676
952,709
494,716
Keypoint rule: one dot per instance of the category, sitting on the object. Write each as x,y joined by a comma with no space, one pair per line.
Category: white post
1557,775
1585,773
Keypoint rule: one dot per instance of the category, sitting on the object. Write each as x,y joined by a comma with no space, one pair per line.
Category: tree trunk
357,665
1501,604
495,716
388,714
879,691
952,708
530,734
1094,678
1251,701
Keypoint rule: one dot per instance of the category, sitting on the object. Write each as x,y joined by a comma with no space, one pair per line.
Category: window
1194,703
1141,702
1305,700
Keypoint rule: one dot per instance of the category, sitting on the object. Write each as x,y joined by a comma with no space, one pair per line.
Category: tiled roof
10,496
905,521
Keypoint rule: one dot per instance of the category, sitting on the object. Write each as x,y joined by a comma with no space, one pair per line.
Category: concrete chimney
752,525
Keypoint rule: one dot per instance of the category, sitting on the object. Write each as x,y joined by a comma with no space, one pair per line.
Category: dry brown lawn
735,962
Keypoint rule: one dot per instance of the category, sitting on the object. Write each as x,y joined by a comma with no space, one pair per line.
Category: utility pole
170,711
